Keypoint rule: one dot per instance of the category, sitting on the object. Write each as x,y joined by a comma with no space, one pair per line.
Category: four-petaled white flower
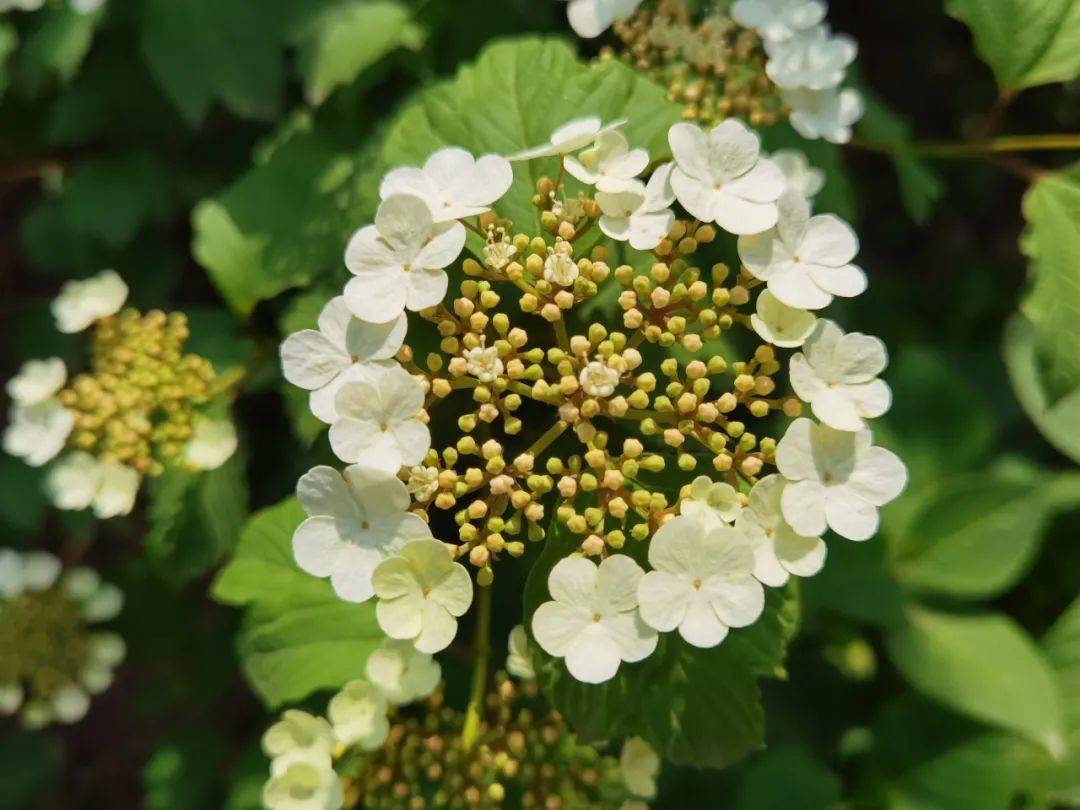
519,661
80,303
610,164
712,503
838,479
398,262
402,673
799,175
827,114
591,18
378,422
322,360
421,593
302,786
570,137
813,58
79,481
298,737
423,482
702,581
593,621
777,20
779,551
37,381
453,183
721,177
639,765
358,715
559,266
356,519
483,362
213,442
37,433
805,260
779,324
638,213
836,374
598,379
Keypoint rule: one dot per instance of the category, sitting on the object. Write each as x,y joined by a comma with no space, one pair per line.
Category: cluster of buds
713,68
137,403
521,752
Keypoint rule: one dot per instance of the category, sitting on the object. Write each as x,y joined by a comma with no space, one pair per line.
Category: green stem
972,149
475,710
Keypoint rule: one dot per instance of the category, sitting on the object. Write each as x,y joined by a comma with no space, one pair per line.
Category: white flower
453,183
836,374
302,786
423,482
559,266
498,253
805,260
639,765
322,360
598,379
483,363
779,551
213,442
398,262
80,303
590,18
79,481
518,658
777,20
593,621
20,5
570,137
720,177
356,519
70,703
639,214
37,433
378,422
358,715
711,503
403,673
779,324
421,594
299,737
37,381
798,173
610,164
813,58
839,479
32,571
702,582
827,114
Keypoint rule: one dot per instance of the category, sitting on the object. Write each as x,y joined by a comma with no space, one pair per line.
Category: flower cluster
144,405
51,661
516,387
374,750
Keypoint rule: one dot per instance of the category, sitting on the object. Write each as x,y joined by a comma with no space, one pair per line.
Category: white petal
803,504
116,496
425,288
634,639
701,626
879,476
696,196
794,453
794,285
847,281
378,296
39,570
740,216
438,628
556,626
829,241
802,556
593,656
442,248
663,599
315,544
617,580
849,515
737,601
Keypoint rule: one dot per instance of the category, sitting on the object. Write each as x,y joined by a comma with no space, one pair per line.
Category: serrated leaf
515,95
1025,42
984,666
1052,241
298,636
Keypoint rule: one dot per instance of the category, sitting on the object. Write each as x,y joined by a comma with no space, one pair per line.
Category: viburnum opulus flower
778,20
401,672
358,715
452,183
80,303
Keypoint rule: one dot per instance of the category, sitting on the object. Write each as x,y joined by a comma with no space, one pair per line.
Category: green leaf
921,188
1052,241
1060,778
515,95
202,51
1059,420
111,197
696,707
195,519
298,636
286,222
1025,42
983,666
9,41
345,40
972,537
55,48
185,770
787,778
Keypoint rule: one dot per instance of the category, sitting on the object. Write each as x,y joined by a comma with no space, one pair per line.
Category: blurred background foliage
218,153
